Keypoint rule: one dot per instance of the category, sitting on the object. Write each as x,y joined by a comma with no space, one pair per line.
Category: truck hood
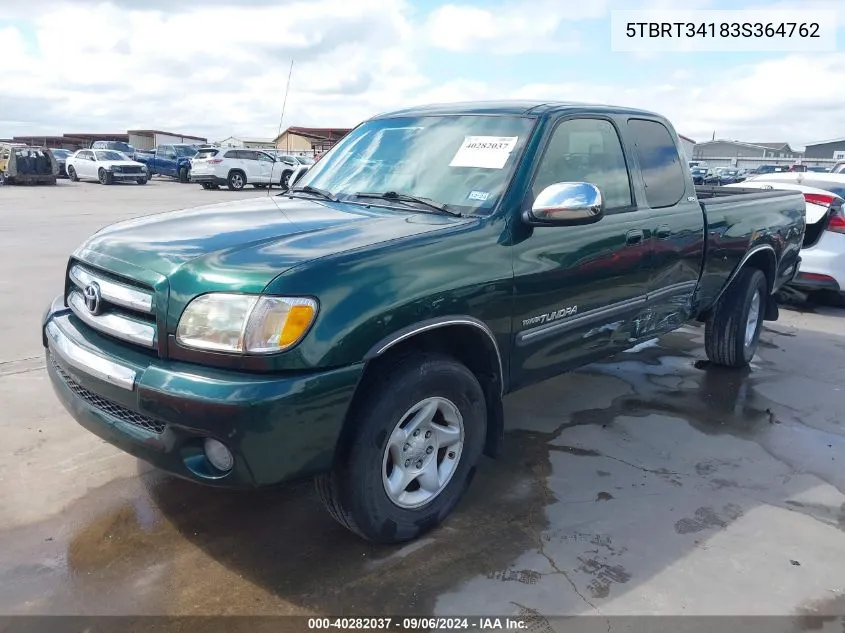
243,245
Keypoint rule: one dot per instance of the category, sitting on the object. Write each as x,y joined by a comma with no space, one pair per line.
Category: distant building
150,139
834,148
247,142
737,149
687,144
313,140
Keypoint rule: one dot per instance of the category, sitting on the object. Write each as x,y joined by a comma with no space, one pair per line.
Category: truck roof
517,108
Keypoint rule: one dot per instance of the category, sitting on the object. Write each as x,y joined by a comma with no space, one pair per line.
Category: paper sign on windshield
490,152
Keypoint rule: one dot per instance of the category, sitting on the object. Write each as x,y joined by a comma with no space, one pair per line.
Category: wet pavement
649,483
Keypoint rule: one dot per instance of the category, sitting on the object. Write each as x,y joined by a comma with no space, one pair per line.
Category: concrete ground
650,483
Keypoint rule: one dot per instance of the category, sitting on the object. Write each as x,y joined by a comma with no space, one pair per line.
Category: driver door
579,288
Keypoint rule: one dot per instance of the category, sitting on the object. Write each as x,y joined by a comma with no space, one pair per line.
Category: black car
698,175
61,156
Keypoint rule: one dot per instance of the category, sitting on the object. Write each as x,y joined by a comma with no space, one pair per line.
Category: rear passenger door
675,225
577,288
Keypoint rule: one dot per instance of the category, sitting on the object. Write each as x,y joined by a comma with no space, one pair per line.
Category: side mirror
566,203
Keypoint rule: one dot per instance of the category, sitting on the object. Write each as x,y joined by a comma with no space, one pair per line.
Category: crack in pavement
541,548
21,365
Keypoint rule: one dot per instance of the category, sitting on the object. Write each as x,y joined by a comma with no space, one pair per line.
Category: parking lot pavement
649,483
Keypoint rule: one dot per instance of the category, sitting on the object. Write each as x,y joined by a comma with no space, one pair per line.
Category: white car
234,168
823,253
104,165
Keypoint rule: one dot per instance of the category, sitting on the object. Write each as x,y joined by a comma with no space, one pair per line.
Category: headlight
245,323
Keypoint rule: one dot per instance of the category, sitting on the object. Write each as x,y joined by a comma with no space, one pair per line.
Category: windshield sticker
488,152
478,195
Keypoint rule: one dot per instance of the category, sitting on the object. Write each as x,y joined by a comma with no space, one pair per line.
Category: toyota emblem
92,298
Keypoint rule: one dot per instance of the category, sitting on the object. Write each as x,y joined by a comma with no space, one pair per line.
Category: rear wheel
236,181
419,437
71,173
733,329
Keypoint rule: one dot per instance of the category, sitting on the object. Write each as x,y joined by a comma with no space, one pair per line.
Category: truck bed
739,219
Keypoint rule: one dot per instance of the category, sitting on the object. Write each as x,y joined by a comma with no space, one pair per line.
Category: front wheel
141,181
733,329
104,177
71,173
419,436
184,174
285,181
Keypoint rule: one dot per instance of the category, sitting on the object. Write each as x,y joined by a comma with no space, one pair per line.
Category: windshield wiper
312,190
404,197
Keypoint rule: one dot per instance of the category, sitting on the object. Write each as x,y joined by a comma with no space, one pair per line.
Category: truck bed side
743,224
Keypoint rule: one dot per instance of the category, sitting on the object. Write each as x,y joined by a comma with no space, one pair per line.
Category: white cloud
797,99
502,29
219,67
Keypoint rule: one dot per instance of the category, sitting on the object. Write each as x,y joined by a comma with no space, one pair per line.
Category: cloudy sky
218,67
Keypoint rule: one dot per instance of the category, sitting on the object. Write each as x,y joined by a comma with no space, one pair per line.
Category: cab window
586,150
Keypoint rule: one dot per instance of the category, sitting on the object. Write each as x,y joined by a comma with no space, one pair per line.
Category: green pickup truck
364,326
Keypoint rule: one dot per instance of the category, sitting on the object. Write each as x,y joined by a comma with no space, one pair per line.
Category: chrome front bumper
87,360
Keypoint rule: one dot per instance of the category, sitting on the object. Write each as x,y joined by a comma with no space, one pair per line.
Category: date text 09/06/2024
723,29
419,624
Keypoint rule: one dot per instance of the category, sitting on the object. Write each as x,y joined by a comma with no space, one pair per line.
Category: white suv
235,168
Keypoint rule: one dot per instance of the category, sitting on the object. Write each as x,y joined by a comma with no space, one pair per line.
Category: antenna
281,118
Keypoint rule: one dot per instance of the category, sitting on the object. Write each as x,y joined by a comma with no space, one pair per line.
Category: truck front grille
107,406
113,307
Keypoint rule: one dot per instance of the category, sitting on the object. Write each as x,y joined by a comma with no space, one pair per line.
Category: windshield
305,160
184,150
462,161
109,155
61,153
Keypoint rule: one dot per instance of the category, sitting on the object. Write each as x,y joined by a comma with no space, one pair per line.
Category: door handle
634,237
664,231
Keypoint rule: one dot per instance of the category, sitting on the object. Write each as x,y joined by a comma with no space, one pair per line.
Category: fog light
219,456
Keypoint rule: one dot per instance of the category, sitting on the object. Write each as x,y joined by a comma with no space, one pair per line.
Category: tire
205,185
355,492
71,173
236,181
104,177
141,181
730,338
184,174
284,183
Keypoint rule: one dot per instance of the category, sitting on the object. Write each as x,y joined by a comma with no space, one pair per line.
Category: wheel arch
763,258
461,337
